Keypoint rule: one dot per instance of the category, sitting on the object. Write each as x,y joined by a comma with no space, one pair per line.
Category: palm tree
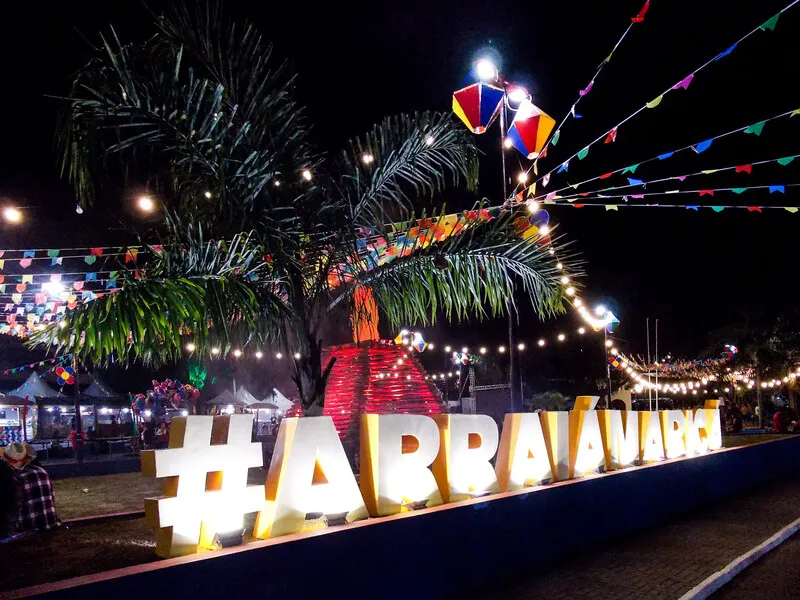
263,235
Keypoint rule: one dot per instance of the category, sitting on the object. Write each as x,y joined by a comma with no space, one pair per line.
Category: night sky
695,271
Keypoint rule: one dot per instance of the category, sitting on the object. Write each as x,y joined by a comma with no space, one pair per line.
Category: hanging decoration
656,101
530,129
478,105
65,375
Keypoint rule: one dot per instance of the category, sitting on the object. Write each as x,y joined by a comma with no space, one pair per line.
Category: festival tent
226,398
99,391
34,387
281,402
245,396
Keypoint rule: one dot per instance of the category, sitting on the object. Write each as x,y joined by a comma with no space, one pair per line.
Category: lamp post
608,317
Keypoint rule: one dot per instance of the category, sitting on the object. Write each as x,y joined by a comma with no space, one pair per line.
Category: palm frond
474,272
409,157
212,294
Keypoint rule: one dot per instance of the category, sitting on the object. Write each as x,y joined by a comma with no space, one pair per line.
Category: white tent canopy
245,396
279,400
34,387
99,390
226,398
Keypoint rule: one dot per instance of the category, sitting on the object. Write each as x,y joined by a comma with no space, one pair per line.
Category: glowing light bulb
609,343
507,143
429,140
559,266
485,70
146,203
207,194
541,343
62,324
190,347
447,348
502,349
277,183
545,230
306,174
600,310
237,353
279,356
367,158
570,291
465,350
53,287
482,350
551,251
430,346
561,337
259,354
520,346
564,280
522,178
297,356
581,330
12,215
533,206
517,95
215,351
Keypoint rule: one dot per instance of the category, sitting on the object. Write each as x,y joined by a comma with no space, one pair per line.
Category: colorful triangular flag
756,128
770,23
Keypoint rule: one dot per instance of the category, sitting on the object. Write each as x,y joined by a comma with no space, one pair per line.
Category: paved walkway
775,577
668,560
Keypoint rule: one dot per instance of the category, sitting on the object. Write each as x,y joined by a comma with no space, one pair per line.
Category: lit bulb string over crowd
742,379
611,135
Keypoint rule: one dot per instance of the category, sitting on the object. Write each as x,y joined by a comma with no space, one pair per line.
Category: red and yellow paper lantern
478,105
530,129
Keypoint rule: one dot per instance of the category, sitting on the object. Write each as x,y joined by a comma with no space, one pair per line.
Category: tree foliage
266,235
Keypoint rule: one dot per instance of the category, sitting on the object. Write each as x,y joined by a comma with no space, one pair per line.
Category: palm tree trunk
310,378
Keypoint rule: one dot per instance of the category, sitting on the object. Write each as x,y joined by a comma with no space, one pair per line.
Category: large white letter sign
695,421
713,428
522,459
555,426
206,490
466,445
620,430
309,473
651,447
586,444
396,451
673,428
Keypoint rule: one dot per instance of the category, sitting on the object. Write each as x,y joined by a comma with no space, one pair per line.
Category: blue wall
439,553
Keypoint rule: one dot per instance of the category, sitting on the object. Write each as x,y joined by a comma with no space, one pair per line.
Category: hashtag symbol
206,489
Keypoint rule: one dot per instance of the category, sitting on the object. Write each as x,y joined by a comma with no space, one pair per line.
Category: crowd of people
26,492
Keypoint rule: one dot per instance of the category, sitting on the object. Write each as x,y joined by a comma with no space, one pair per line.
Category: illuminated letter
309,473
620,431
522,459
694,436
206,489
673,428
466,445
396,451
713,428
651,445
586,443
555,426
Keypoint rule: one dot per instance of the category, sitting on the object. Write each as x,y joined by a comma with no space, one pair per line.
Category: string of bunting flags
697,147
553,139
610,135
55,361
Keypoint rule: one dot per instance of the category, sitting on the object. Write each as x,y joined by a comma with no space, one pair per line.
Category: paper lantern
478,105
529,129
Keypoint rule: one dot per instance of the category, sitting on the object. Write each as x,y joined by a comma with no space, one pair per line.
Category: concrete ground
670,559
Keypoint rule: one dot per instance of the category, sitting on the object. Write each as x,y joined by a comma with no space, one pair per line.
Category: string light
297,356
306,174
208,194
541,343
522,177
367,158
279,356
12,215
507,143
502,349
146,204
581,330
561,337
520,346
189,347
259,354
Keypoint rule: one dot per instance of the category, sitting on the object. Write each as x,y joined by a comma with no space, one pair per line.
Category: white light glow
146,203
190,347
306,174
517,95
12,215
259,354
486,70
522,178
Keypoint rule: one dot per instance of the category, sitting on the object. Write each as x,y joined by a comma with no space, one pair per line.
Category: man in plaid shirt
36,509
